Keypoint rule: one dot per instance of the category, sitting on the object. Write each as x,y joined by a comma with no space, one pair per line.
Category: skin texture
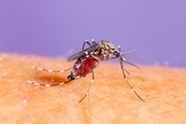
110,101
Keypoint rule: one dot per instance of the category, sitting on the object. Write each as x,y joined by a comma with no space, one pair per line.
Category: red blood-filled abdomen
83,66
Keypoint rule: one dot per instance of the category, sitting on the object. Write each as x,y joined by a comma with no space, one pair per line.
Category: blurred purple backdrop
156,29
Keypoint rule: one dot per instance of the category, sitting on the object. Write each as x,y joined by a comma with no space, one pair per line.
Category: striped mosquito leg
90,84
48,70
46,85
87,92
86,42
123,71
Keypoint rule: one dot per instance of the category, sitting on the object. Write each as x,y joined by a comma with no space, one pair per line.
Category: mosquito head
117,53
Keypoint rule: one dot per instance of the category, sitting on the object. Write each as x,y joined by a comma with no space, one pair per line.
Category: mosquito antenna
123,52
123,72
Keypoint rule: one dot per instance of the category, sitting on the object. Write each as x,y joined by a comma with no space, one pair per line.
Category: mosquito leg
122,59
90,84
48,70
127,71
86,42
50,85
123,72
93,42
123,68
46,85
87,92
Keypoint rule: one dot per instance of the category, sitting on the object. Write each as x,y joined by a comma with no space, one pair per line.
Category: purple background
156,29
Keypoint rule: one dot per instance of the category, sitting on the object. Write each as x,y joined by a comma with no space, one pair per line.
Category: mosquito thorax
106,48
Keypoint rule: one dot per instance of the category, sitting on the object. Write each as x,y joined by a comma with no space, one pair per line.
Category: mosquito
87,60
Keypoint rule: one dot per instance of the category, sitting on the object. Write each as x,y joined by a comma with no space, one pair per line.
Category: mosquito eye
116,53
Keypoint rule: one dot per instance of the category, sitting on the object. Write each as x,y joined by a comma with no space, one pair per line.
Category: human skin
110,101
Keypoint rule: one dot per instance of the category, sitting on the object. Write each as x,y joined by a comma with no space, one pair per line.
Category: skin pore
110,101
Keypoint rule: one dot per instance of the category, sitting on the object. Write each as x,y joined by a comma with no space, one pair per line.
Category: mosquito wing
81,53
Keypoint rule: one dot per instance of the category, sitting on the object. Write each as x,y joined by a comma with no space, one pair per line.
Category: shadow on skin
50,79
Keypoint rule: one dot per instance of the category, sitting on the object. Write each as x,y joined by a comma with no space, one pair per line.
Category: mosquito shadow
48,79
